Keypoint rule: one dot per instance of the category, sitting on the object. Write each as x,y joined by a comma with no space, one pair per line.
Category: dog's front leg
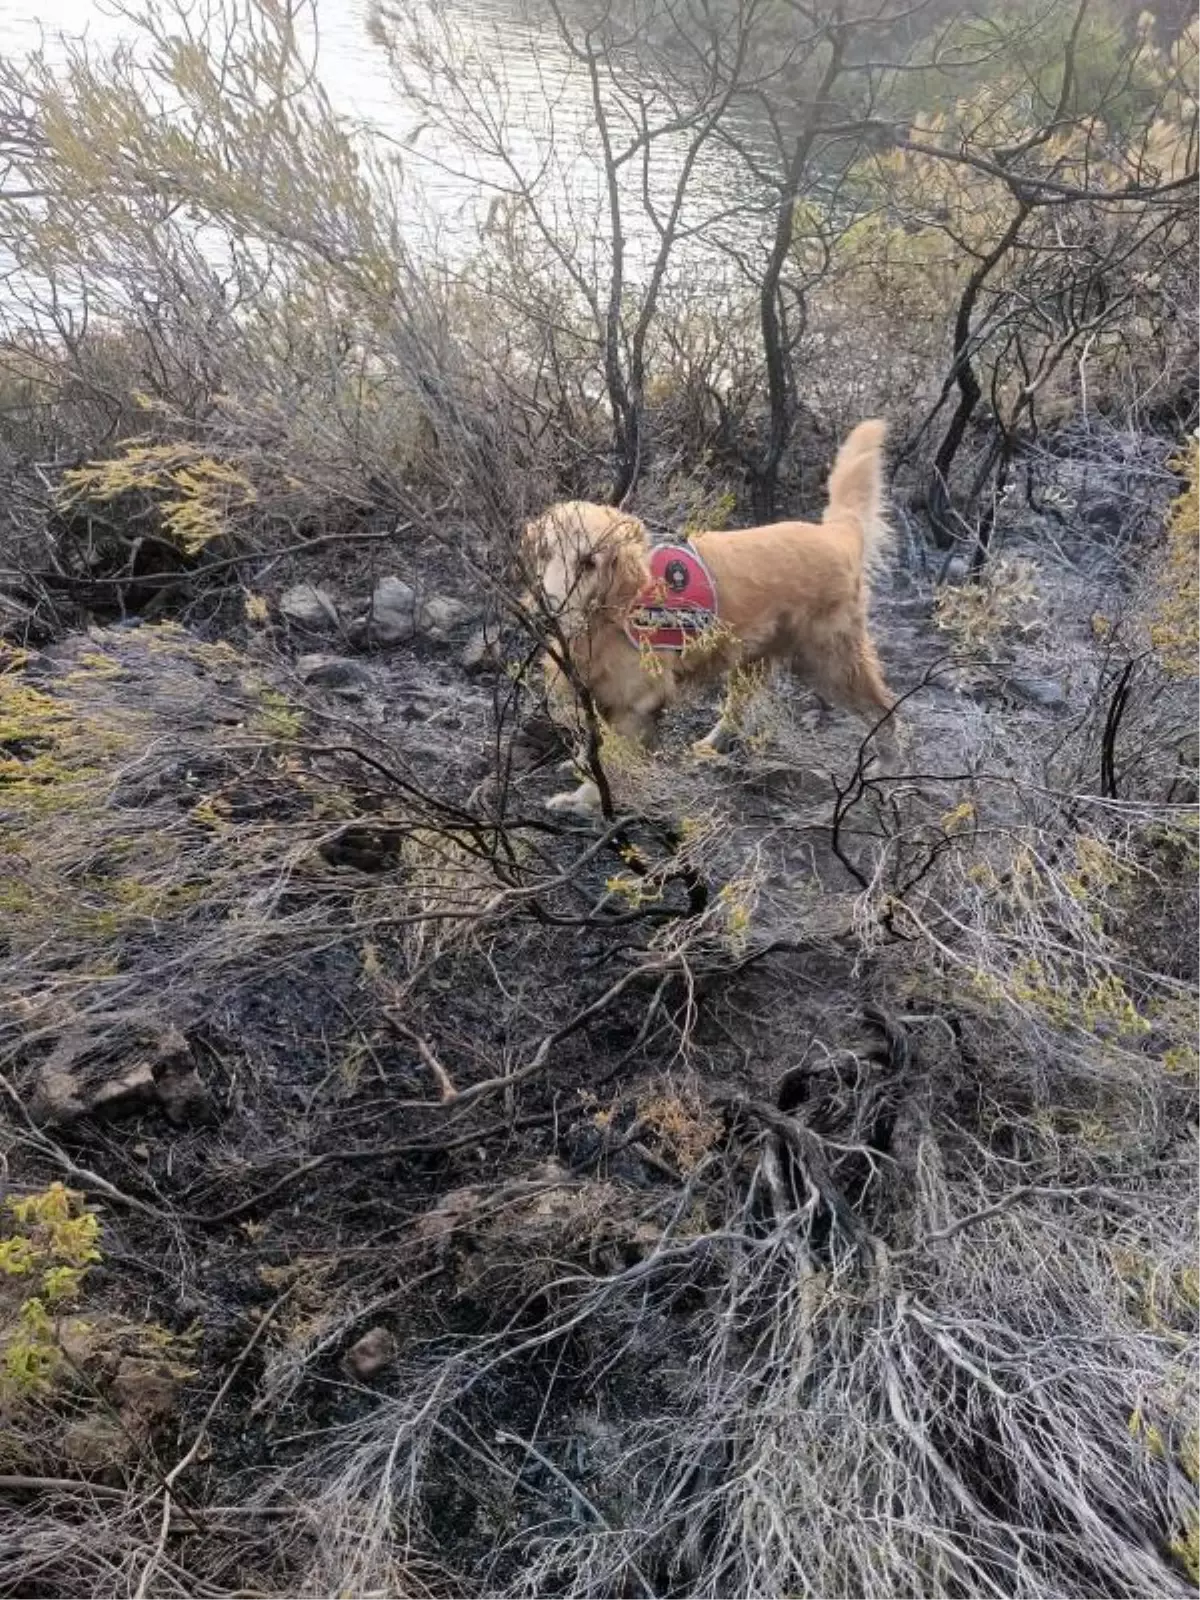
639,726
745,684
584,799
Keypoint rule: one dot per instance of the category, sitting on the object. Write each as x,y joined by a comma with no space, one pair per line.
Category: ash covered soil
491,1201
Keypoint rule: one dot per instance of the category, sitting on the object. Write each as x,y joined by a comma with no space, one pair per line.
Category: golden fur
790,592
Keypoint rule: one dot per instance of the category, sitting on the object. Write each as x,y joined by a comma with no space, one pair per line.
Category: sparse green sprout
637,893
276,716
737,908
1181,1061
959,817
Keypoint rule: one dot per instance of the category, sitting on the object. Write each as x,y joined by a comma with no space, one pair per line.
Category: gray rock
440,615
98,1445
334,672
1039,691
379,630
391,618
393,595
129,1092
309,607
180,1090
371,1354
57,1099
156,1072
147,1392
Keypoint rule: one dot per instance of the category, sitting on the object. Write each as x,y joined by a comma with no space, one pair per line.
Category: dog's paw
581,802
705,750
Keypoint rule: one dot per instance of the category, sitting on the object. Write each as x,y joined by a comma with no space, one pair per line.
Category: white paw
581,802
706,750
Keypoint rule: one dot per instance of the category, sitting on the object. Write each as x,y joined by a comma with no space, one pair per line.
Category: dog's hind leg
850,676
718,740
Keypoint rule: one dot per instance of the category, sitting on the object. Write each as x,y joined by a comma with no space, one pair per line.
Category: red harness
678,603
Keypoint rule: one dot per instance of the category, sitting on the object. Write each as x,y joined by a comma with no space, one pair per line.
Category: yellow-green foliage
709,512
1180,1439
59,746
1174,627
196,493
1186,1544
642,884
1163,1296
737,906
50,747
1055,954
905,262
49,1244
276,716
1099,1003
1165,1299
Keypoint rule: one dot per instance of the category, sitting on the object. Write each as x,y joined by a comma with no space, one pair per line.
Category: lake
548,107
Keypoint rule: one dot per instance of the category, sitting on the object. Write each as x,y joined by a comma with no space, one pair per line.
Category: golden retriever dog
793,593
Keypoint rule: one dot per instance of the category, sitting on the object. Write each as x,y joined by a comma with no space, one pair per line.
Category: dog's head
587,560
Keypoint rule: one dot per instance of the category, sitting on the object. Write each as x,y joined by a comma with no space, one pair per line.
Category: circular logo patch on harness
676,576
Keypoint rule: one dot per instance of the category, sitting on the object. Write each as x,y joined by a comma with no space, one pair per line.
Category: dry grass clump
1001,604
681,1124
949,1356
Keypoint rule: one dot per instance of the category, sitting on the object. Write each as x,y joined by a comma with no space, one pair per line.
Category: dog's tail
856,488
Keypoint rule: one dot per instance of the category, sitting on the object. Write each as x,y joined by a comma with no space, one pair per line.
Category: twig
443,1079
504,1437
538,1059
20,1482
387,1152
1112,726
1005,1203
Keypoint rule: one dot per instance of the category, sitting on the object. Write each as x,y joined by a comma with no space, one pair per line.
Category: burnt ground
339,1032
